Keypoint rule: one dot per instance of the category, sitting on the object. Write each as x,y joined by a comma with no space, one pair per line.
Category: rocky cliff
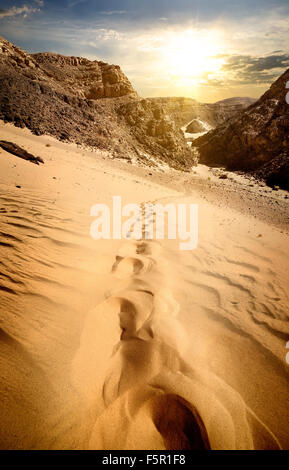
184,110
87,102
85,78
255,140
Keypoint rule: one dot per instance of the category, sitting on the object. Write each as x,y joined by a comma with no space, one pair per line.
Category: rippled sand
134,344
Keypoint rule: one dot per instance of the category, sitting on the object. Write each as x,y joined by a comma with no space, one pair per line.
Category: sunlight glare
193,53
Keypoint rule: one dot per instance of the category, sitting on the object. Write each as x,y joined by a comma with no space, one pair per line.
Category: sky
203,49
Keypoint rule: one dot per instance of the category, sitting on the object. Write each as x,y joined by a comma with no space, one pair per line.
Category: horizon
198,50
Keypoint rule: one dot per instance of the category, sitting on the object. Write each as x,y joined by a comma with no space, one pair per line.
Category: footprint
134,247
179,424
129,266
130,284
131,248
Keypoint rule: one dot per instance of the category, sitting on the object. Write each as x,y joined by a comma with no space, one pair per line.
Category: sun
193,53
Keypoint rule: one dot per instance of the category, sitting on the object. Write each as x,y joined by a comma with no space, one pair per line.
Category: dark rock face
253,138
87,102
276,172
184,110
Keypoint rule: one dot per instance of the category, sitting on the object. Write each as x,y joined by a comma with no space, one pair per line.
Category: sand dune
134,344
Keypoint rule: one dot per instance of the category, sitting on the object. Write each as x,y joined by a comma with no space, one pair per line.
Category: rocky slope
87,102
255,140
85,78
184,110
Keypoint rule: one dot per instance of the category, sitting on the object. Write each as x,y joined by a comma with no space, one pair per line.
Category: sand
125,344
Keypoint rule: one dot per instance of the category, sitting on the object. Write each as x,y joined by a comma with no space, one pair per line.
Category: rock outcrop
276,171
10,147
255,140
87,102
195,127
85,78
150,119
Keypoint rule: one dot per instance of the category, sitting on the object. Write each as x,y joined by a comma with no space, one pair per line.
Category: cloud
250,69
107,35
244,70
113,12
257,64
269,63
13,11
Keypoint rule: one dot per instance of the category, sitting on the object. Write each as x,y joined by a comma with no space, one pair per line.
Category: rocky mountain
85,78
184,110
255,140
87,102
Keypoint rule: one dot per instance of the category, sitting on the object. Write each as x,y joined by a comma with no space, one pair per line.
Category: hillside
88,102
255,140
184,110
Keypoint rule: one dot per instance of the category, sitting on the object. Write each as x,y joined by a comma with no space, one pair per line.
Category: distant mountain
87,102
237,101
184,110
256,139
